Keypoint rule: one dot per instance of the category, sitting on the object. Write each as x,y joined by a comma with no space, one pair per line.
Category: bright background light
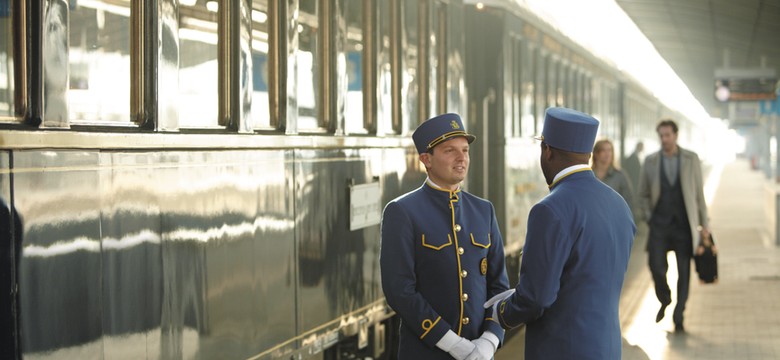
619,41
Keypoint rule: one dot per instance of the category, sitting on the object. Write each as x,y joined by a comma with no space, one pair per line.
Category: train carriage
181,178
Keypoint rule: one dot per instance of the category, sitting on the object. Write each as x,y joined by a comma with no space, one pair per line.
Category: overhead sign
745,84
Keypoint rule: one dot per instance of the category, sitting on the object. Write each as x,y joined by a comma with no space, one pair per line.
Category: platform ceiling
698,36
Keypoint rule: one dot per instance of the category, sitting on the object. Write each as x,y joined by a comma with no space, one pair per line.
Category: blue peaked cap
437,130
569,130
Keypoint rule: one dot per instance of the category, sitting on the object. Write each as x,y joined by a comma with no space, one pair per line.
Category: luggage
706,260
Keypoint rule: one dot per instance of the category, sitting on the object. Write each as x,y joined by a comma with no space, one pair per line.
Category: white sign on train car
364,205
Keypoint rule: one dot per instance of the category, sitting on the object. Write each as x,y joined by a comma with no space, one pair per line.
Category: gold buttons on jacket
460,250
457,227
465,297
465,321
464,273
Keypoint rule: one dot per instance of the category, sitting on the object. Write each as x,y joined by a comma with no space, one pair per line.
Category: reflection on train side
193,254
183,257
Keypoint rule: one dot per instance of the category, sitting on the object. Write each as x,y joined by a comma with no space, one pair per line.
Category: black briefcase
706,260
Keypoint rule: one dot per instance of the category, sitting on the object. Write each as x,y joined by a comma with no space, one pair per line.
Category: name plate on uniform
365,208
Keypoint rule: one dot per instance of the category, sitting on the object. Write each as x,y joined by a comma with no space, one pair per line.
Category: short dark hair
569,155
667,122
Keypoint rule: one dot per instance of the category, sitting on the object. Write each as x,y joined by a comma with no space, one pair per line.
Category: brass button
457,227
465,297
460,250
465,321
464,273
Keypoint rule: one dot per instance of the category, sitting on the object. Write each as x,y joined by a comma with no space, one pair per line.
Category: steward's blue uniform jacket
442,257
575,257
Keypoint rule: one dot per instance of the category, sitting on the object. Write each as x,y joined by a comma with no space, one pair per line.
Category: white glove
495,300
484,347
455,345
498,298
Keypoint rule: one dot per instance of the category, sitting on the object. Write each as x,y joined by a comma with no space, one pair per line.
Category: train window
573,88
541,70
198,64
597,99
384,79
581,91
577,89
552,82
454,82
528,87
261,113
436,46
517,86
350,65
588,94
309,66
7,104
98,57
410,88
508,85
569,89
561,84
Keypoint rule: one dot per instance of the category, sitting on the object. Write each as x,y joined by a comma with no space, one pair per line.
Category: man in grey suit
671,200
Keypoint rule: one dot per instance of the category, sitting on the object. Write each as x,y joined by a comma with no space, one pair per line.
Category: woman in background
603,164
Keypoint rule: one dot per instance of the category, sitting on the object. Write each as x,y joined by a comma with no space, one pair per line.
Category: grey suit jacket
692,188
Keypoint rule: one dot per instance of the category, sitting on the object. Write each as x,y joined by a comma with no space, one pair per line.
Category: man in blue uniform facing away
442,255
575,255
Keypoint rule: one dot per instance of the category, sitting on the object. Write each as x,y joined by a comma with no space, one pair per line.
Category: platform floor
736,318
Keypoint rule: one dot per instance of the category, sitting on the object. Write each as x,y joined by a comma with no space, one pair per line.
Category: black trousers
662,239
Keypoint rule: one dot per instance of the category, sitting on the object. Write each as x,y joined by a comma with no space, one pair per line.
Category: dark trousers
662,239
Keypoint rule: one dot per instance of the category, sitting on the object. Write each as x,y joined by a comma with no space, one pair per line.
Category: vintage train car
204,179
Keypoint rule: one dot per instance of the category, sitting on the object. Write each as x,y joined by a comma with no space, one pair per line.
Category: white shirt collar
439,187
569,170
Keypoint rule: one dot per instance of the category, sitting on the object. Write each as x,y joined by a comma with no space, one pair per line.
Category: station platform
736,318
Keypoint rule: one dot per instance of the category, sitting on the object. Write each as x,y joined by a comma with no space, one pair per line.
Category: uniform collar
436,189
568,171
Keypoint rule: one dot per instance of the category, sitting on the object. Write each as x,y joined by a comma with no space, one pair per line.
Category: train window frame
455,55
16,61
541,67
570,98
384,68
508,84
407,66
517,87
552,81
351,50
200,32
528,100
562,83
90,55
440,65
319,66
267,64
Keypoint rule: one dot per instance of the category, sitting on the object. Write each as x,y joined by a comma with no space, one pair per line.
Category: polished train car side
179,175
